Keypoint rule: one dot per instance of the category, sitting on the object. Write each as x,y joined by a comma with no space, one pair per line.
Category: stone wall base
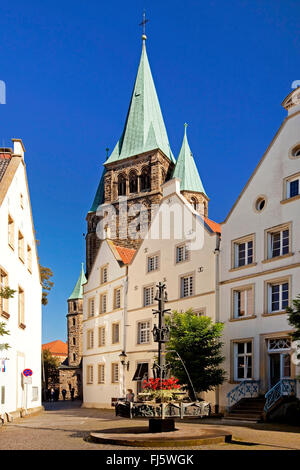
10,416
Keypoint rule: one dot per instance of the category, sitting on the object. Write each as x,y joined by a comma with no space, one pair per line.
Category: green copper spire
99,197
186,169
78,290
144,127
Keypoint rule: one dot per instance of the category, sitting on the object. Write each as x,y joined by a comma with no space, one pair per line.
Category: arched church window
194,203
145,180
121,185
133,182
74,306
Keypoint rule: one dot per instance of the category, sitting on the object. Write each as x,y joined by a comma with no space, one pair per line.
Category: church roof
186,169
99,196
144,127
78,290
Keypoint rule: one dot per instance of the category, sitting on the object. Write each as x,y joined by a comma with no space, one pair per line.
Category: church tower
140,163
74,321
70,371
191,186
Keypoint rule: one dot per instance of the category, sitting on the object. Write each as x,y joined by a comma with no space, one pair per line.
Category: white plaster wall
244,220
25,351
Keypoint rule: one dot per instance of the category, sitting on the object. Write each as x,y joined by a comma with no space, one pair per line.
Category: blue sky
69,66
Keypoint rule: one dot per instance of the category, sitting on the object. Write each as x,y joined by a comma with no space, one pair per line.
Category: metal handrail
285,387
244,389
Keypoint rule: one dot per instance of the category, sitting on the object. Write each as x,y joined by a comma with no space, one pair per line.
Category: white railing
285,387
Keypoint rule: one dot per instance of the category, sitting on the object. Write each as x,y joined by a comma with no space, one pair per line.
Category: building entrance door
279,360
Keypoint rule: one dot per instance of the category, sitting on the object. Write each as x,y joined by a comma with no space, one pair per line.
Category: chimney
19,148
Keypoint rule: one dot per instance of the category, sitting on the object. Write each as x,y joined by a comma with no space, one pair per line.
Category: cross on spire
143,23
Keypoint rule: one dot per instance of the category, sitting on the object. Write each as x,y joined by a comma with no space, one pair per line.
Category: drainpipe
217,302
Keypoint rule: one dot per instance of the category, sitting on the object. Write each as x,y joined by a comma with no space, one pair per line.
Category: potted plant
162,390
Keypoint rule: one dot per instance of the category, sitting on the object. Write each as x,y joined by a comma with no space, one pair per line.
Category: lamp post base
161,425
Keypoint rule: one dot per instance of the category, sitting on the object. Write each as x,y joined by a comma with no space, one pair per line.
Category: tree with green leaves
50,366
197,340
294,317
47,284
294,320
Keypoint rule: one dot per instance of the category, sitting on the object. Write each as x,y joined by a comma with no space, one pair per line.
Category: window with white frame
115,333
104,274
11,232
243,302
243,361
148,295
243,253
21,246
187,286
117,298
90,374
91,307
103,303
101,373
101,336
115,372
182,253
292,187
143,332
152,263
90,339
278,296
278,242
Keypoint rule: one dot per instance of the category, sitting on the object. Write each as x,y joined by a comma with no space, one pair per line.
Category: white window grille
278,297
243,360
143,332
148,295
182,253
187,286
152,263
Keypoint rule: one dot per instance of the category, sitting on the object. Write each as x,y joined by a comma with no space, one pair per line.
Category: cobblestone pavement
65,425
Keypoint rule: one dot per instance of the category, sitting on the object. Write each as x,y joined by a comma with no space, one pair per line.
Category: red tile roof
57,348
125,253
213,225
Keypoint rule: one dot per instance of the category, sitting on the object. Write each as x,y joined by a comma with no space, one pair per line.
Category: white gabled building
260,265
104,317
19,270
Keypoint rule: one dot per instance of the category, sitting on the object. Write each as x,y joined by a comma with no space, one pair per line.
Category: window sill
5,315
273,314
294,198
249,317
22,326
276,258
242,267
